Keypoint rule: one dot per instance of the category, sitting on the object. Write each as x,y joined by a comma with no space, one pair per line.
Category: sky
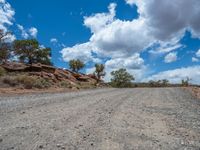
152,39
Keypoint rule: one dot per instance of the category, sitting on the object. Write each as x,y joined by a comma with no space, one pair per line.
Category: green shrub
185,82
41,83
121,78
26,81
9,80
2,71
85,85
65,84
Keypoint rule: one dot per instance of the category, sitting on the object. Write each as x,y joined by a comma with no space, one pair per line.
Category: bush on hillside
28,82
65,84
41,83
10,80
2,71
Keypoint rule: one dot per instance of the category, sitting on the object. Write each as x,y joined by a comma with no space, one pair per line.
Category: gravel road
102,119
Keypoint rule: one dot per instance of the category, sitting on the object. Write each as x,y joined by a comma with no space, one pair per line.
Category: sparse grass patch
2,71
86,85
26,81
42,83
10,80
65,84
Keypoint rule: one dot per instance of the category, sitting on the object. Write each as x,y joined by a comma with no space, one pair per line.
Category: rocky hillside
43,76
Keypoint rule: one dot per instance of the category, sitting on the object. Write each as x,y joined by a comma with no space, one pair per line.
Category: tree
152,83
158,83
44,56
185,82
76,65
99,71
4,47
4,52
165,82
29,51
121,78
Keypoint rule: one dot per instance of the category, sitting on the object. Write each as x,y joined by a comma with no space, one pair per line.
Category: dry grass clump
41,83
10,80
25,81
65,84
2,71
85,85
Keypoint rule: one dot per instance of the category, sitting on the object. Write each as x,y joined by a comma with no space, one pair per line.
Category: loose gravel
102,119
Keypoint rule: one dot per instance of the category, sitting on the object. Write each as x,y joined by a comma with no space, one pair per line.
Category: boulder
83,78
12,66
34,68
49,69
60,73
92,76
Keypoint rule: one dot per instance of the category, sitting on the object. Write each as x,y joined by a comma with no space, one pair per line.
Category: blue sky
63,22
144,37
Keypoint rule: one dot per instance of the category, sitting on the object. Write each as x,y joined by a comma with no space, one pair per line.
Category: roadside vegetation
32,68
76,65
25,81
26,64
99,71
121,78
2,71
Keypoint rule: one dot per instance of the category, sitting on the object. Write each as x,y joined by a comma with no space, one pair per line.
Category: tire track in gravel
131,125
15,103
175,116
160,118
90,135
78,112
83,122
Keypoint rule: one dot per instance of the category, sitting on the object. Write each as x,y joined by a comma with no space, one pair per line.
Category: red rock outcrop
49,72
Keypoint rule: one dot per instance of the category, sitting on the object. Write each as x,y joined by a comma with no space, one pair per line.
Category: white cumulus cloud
28,33
33,32
134,65
100,20
132,62
24,34
79,51
166,48
194,59
171,57
198,53
90,70
121,40
53,40
6,15
111,38
6,19
176,75
168,25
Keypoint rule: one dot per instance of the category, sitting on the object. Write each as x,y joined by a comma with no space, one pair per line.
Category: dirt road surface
102,119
